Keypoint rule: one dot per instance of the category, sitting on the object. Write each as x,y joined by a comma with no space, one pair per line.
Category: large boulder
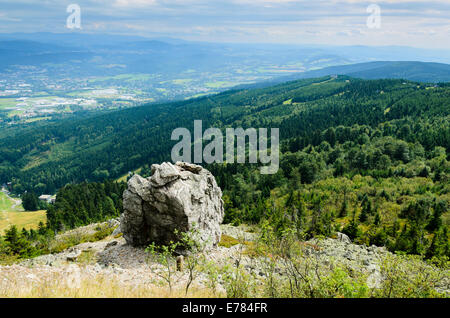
176,197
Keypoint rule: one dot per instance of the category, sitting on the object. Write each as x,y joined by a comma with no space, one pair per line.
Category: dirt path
16,201
3,214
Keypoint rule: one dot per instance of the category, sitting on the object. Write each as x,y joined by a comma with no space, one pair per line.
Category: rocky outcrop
343,238
127,266
73,255
176,197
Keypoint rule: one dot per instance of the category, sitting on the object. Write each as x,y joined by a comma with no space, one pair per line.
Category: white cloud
5,17
134,3
423,23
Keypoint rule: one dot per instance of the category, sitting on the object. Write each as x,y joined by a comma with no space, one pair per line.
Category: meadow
13,213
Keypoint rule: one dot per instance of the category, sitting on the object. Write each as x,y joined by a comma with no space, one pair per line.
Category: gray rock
111,244
176,197
113,223
349,256
343,237
164,174
116,231
375,279
73,255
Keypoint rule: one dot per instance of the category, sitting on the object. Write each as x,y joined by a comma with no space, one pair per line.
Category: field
7,102
221,84
125,176
121,77
10,214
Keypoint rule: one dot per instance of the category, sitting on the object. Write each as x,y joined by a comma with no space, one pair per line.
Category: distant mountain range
103,55
94,54
408,70
411,70
138,69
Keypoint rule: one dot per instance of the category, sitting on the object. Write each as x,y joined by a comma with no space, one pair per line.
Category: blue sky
417,23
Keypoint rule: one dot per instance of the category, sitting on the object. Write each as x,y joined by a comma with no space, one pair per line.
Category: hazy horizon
411,23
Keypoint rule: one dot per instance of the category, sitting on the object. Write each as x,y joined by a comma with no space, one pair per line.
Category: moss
228,241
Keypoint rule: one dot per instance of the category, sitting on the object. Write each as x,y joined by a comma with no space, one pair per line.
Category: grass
229,241
15,113
73,238
87,257
76,284
122,77
6,203
200,95
7,102
182,81
28,220
11,214
220,84
125,176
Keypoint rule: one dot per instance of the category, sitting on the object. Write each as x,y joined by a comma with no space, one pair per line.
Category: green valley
368,158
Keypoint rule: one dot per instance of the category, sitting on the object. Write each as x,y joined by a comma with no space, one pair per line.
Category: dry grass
87,257
28,220
12,213
68,285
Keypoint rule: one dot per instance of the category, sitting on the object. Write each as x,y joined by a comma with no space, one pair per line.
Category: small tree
377,220
352,229
436,220
17,244
30,201
164,255
366,209
344,209
195,247
439,247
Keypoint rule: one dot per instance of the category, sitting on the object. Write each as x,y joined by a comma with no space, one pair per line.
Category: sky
417,23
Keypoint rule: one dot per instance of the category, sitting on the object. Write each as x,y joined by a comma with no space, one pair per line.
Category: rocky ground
113,258
131,267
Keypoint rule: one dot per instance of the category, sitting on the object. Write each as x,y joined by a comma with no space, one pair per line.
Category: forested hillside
412,70
85,203
76,205
46,156
368,158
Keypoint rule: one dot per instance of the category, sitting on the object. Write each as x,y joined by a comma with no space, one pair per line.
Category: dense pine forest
369,158
43,157
85,203
76,205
